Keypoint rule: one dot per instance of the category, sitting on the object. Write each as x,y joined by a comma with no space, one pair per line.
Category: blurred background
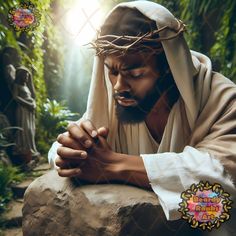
56,54
61,65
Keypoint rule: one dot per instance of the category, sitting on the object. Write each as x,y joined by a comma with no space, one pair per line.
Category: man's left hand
100,165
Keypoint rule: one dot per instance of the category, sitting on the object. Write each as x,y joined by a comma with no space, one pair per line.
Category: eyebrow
131,67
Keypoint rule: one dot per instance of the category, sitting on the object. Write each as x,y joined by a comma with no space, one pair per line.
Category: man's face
134,79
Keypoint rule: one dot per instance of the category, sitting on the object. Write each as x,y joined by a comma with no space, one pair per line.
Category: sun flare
83,20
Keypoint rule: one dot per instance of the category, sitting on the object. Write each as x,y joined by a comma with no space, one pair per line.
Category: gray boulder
60,206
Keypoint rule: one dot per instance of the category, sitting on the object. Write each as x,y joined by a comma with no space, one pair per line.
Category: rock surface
57,206
13,216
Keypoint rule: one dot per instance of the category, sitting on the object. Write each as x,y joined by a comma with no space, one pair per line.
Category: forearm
131,170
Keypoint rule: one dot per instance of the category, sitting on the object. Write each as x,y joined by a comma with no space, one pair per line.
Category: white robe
200,135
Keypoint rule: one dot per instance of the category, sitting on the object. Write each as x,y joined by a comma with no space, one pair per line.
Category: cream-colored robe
200,135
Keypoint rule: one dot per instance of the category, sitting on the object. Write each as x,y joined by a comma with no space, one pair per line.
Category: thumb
103,131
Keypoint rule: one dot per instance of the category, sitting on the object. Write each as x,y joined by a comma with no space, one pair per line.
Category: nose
121,85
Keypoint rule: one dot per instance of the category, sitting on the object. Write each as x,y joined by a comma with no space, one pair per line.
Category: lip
126,102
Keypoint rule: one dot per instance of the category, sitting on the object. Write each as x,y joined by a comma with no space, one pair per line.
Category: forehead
130,60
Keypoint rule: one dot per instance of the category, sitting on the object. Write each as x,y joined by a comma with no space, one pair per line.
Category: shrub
54,118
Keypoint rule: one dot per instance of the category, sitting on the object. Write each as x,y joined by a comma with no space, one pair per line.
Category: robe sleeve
52,154
212,158
171,173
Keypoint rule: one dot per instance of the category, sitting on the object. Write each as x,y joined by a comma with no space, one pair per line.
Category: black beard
138,113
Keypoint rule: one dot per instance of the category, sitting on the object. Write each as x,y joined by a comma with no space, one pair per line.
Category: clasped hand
85,153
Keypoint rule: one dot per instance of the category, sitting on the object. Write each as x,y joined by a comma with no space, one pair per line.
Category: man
157,116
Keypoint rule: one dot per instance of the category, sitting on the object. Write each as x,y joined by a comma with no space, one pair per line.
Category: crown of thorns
110,44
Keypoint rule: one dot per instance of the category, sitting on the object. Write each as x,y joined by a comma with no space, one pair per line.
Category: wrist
116,168
130,169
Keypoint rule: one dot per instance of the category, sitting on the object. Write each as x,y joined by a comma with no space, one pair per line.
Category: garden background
61,66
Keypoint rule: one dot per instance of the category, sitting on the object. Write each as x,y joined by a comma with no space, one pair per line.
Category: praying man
157,115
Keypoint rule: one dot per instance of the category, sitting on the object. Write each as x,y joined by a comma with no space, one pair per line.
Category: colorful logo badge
24,18
205,206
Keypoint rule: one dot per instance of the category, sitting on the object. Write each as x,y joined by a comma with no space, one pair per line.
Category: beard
138,113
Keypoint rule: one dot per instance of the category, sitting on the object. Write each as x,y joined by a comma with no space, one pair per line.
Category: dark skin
84,151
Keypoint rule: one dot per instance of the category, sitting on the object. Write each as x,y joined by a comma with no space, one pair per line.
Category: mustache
124,94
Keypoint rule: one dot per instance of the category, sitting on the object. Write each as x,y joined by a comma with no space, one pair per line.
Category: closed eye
136,76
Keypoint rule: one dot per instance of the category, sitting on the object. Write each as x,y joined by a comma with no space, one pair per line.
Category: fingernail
88,143
94,133
83,154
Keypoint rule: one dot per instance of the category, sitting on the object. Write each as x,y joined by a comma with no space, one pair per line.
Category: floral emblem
24,18
205,206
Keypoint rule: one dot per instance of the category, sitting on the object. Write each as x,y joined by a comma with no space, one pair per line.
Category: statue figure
24,95
9,60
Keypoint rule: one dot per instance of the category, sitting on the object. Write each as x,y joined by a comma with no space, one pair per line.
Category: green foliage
5,137
39,50
211,26
211,29
35,55
54,119
224,48
8,175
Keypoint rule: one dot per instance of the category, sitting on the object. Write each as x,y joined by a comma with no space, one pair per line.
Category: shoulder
219,80
222,87
223,91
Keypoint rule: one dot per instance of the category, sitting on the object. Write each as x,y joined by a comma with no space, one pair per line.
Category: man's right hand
75,144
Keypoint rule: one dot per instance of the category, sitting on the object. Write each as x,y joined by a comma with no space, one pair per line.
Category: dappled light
47,54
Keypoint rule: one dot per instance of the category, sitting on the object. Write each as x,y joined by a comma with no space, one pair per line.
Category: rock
58,206
42,167
12,232
13,216
19,189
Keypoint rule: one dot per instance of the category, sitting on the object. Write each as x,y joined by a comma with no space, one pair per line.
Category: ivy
30,46
223,49
211,29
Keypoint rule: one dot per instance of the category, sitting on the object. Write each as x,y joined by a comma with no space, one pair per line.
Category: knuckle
59,162
60,151
88,121
60,137
87,124
71,125
60,172
81,124
79,136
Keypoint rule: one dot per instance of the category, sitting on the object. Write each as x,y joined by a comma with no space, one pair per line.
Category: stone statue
24,95
9,60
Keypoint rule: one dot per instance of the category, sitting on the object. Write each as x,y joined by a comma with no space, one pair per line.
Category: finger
79,134
69,172
67,163
88,126
70,153
60,162
63,163
103,131
68,141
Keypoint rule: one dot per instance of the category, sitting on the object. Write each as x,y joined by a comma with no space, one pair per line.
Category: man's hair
126,31
127,21
133,25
